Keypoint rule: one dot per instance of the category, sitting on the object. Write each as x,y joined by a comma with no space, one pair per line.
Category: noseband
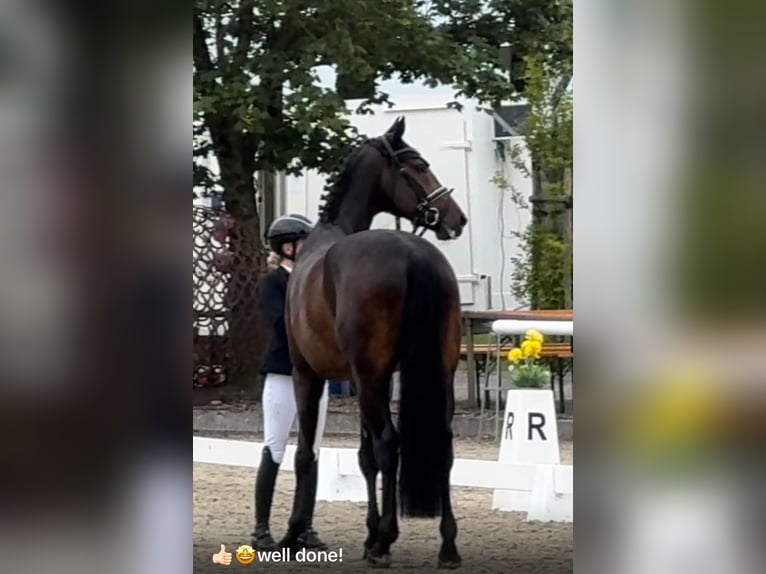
427,216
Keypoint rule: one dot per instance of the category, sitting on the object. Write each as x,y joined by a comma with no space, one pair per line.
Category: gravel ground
489,541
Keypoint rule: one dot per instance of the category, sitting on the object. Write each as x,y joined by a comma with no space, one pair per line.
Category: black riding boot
264,493
309,538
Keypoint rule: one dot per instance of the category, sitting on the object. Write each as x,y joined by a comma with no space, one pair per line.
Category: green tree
535,40
258,106
257,103
511,30
543,271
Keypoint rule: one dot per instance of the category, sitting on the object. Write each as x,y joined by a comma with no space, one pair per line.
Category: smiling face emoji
245,554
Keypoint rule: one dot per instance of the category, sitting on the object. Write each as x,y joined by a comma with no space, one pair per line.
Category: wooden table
478,322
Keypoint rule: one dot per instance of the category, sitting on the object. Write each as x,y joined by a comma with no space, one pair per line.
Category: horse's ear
396,131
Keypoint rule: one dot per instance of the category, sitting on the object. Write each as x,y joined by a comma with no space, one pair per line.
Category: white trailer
462,148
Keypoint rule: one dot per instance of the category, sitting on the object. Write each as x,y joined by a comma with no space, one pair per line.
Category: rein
427,216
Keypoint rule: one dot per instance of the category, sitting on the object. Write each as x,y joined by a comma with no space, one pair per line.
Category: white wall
493,215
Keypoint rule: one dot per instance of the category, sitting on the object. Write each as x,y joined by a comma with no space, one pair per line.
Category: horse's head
412,190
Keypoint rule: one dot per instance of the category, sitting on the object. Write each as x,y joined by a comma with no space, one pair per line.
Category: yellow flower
534,335
514,355
531,349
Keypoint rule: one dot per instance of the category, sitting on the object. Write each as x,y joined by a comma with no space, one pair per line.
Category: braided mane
338,185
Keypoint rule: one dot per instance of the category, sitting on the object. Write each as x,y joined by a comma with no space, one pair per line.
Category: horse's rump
396,303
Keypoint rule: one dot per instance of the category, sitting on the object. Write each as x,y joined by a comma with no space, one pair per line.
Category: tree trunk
246,335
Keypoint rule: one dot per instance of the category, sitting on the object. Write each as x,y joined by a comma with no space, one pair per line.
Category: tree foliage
537,35
258,104
540,270
257,101
525,28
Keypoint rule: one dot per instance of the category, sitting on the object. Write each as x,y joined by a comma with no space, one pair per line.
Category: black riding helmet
288,229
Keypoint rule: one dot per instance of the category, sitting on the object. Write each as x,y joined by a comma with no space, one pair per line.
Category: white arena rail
520,326
551,486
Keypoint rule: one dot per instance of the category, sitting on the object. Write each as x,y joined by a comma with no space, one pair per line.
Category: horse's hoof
383,561
449,563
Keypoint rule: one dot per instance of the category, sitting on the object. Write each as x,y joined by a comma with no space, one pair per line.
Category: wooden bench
554,351
550,350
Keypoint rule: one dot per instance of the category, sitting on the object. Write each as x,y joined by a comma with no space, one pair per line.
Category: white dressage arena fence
550,486
521,326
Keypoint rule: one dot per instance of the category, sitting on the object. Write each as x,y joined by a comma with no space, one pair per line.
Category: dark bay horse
362,304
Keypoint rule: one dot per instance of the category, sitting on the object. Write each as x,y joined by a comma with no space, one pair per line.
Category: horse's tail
424,424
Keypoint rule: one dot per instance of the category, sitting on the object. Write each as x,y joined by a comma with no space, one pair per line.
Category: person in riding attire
285,238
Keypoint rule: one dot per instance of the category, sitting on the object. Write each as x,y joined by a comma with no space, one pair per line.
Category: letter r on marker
509,426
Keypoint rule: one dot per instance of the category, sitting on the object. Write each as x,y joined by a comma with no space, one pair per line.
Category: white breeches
279,411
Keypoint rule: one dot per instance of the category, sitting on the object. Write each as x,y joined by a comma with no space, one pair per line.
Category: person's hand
222,557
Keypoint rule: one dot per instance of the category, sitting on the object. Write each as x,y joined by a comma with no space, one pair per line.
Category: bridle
427,216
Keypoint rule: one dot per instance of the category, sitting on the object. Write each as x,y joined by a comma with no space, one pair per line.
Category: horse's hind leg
370,471
448,554
308,393
376,417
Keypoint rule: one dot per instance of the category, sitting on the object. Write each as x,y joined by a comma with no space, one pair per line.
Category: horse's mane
338,185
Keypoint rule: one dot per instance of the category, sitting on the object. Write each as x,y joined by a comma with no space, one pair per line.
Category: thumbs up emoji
222,557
